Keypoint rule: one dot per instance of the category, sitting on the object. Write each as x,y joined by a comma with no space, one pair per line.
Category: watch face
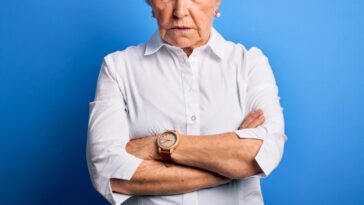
167,140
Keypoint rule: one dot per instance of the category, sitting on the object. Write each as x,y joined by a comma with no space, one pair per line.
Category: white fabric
151,87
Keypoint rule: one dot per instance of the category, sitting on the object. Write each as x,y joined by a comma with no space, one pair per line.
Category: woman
166,125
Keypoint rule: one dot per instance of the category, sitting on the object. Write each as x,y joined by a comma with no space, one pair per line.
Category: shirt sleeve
258,90
108,134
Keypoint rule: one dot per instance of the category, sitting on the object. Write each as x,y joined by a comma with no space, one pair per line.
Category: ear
217,5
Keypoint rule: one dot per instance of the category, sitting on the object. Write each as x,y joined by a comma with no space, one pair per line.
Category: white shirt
151,87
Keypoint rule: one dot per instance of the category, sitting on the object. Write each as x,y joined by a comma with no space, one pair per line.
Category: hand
253,120
144,148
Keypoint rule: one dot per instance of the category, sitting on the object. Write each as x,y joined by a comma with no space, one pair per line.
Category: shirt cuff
128,167
116,198
270,152
125,172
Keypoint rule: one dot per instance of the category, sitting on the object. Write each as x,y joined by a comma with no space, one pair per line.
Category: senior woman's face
185,23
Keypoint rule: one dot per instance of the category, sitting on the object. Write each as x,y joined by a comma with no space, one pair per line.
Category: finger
254,122
257,122
250,118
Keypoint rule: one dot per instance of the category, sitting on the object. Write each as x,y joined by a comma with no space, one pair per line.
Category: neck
188,51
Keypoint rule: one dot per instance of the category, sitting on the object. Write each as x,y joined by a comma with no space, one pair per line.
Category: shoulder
251,54
255,54
249,61
243,57
131,52
239,51
119,61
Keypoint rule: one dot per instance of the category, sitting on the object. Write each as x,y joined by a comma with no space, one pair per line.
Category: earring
217,14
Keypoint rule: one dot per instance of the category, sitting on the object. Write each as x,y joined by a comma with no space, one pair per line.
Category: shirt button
193,117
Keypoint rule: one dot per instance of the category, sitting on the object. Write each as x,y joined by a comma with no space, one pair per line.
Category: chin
182,40
182,43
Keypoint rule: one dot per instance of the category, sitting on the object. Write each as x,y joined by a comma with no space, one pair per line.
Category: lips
181,28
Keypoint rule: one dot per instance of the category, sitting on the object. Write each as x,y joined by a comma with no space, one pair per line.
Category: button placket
193,127
195,116
191,97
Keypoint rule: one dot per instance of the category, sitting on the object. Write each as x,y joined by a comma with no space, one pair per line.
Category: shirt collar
216,43
154,44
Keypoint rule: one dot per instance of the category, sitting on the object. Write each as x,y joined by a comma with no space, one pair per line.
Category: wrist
167,143
177,155
156,155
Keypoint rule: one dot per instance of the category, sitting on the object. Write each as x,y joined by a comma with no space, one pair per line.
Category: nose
181,8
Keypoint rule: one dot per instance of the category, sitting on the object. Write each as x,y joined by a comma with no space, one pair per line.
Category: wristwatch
167,141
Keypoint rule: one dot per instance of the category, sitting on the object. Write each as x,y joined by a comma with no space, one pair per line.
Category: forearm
225,154
157,178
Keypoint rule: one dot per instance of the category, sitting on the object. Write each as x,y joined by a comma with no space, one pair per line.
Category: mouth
181,28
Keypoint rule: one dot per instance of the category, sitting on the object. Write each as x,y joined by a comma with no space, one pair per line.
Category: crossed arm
197,162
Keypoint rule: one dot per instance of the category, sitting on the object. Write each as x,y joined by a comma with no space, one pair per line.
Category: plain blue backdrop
50,56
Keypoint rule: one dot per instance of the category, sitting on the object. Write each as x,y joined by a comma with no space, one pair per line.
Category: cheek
203,21
202,14
163,14
163,20
163,23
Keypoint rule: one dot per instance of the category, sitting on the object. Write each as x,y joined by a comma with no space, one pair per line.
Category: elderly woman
179,119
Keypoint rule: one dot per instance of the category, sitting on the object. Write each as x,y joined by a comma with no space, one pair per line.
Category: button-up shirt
154,86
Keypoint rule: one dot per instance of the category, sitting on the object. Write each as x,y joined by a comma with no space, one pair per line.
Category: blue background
50,56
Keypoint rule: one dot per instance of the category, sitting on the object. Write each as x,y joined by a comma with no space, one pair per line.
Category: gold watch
167,141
